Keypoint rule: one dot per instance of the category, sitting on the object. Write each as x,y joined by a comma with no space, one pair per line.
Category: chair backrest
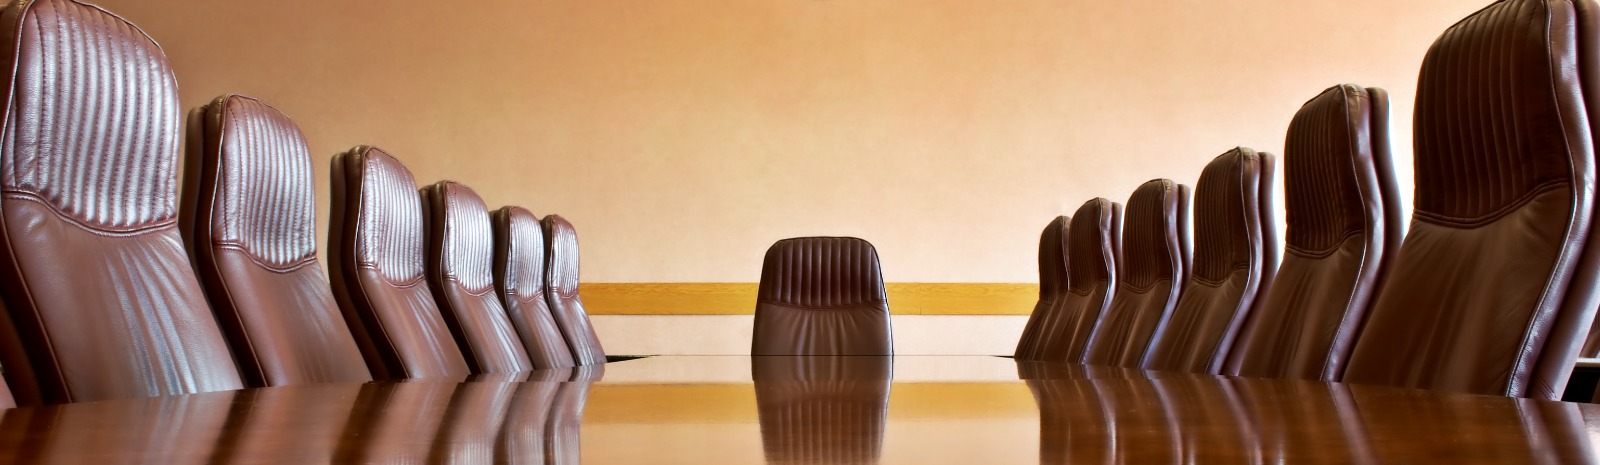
1343,209
92,265
459,263
1234,256
561,291
1053,283
1095,243
249,217
1493,288
1091,252
375,255
821,296
1155,251
519,279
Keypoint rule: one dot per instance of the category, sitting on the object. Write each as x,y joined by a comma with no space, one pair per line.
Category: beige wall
684,136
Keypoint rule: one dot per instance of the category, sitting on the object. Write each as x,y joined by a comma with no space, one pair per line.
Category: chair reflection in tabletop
562,441
1100,414
516,418
822,409
179,429
1090,414
1063,404
509,417
501,419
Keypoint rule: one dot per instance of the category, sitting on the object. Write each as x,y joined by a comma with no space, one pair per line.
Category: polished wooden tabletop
812,410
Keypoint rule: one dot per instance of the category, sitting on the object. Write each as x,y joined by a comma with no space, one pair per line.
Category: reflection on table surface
811,410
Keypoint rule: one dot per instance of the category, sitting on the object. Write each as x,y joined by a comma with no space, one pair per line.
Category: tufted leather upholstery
1343,228
1234,256
821,296
1154,259
375,250
249,217
93,269
1493,287
1092,239
1053,283
460,255
561,290
519,279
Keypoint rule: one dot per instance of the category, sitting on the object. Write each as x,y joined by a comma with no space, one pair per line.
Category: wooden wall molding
740,298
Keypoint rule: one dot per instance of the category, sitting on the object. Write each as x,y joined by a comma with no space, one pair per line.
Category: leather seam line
1087,290
1138,289
1219,281
1321,253
1472,223
297,264
468,289
35,198
407,283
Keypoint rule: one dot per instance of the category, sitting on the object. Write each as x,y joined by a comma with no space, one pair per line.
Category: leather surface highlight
1151,278
95,275
1478,297
519,263
561,290
375,252
1340,238
1230,265
460,252
249,218
822,296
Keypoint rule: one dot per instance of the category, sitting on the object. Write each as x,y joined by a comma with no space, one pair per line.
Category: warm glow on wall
683,137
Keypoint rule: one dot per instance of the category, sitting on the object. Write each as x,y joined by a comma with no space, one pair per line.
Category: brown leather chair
249,217
460,254
1155,251
1235,252
821,296
1092,244
375,254
97,284
561,290
1053,282
1343,228
519,280
1493,288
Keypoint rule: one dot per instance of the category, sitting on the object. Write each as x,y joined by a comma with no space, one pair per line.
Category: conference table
727,409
